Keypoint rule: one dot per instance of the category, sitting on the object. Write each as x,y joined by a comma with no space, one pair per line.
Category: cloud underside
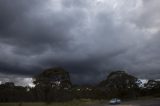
88,38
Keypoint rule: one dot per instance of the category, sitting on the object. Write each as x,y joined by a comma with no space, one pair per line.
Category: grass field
81,102
145,101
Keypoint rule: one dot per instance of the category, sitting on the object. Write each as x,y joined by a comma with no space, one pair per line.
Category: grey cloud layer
89,38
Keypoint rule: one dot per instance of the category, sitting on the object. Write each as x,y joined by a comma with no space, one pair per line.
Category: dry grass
80,102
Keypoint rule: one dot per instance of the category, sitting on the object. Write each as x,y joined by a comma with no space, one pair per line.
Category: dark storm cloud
27,26
88,38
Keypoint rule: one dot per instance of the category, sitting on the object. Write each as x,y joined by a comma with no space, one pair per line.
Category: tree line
54,85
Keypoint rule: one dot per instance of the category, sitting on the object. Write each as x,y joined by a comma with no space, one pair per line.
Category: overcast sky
89,38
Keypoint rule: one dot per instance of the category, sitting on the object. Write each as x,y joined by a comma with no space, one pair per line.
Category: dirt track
143,102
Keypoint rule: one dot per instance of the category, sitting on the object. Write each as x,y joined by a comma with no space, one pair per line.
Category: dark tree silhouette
54,77
52,83
151,88
120,84
11,93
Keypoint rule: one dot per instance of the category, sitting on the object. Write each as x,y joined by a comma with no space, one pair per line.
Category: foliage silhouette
54,84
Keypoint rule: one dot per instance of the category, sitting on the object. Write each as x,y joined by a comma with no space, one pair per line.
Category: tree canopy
54,77
54,84
121,84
